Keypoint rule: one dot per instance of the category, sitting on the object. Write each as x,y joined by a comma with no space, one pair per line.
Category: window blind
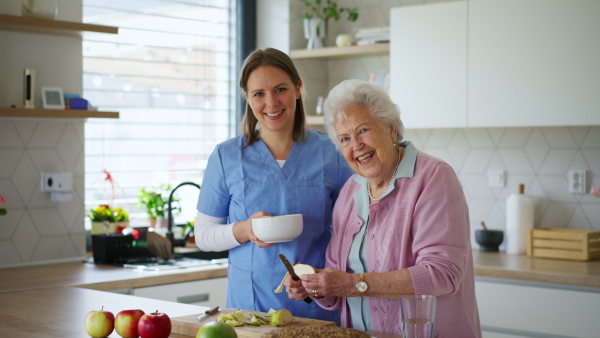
171,73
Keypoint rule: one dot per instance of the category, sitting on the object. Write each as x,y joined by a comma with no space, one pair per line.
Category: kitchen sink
181,260
202,254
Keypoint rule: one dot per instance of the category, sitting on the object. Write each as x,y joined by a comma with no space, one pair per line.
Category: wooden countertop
55,298
534,269
98,277
59,312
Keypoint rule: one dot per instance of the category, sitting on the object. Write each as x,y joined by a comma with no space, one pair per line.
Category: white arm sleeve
212,234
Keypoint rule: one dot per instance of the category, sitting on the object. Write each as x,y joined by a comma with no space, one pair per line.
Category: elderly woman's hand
329,282
295,289
243,231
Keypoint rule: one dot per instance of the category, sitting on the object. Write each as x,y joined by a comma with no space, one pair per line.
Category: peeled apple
282,317
299,269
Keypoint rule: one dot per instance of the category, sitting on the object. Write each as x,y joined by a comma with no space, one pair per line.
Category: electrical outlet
576,180
57,182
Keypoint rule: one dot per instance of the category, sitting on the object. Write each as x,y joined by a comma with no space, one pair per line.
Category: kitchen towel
519,221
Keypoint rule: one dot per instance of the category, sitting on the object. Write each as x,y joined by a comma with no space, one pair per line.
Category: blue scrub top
239,182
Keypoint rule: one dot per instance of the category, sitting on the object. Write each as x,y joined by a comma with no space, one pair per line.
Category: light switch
496,178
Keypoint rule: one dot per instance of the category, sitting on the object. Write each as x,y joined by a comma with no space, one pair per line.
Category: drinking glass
418,315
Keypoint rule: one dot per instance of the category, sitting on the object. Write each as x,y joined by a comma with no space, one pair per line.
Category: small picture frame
52,98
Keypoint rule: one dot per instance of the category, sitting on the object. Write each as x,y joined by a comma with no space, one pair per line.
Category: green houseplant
316,14
108,220
155,200
327,10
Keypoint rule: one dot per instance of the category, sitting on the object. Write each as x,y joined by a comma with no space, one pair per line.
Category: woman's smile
365,157
275,115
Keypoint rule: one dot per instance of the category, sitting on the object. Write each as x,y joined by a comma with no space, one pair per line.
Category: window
171,73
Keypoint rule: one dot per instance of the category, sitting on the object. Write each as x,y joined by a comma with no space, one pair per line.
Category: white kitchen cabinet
207,292
510,308
534,62
512,63
428,64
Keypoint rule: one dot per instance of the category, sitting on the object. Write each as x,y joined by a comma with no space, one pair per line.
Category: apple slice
299,269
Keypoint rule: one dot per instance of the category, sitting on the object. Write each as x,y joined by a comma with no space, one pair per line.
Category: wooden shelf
56,27
340,52
55,113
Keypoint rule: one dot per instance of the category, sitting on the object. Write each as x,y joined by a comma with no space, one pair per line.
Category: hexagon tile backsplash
38,230
540,158
35,229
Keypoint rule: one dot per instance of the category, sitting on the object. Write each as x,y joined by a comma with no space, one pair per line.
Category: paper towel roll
519,221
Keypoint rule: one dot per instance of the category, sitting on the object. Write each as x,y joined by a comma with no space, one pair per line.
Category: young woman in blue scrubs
277,167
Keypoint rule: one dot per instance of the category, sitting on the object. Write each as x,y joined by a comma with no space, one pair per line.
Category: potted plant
108,220
155,200
316,15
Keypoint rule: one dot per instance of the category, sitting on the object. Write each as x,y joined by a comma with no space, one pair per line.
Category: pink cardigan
422,225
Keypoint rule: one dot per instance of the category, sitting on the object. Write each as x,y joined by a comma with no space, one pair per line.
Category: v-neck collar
271,164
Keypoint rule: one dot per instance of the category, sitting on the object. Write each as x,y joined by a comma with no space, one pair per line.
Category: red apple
99,324
154,325
126,323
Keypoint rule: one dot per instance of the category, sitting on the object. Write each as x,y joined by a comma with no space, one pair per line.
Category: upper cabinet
428,64
497,63
534,62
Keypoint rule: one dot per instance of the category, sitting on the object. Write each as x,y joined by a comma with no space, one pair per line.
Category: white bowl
274,229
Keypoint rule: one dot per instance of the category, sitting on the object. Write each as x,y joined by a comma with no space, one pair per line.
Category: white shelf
340,52
314,120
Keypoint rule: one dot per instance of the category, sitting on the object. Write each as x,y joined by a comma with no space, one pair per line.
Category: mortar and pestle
488,240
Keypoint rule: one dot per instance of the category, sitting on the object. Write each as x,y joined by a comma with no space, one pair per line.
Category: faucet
170,236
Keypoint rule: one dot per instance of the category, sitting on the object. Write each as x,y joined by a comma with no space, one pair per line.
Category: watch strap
361,279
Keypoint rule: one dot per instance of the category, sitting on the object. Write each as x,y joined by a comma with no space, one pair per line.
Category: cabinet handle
204,297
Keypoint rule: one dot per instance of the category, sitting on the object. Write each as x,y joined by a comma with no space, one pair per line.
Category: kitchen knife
293,274
209,312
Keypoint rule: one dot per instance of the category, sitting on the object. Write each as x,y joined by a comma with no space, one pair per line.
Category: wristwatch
361,286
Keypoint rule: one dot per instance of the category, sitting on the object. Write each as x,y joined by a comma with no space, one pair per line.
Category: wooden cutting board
189,325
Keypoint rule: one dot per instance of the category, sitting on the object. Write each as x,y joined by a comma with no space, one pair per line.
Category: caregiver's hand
243,231
330,282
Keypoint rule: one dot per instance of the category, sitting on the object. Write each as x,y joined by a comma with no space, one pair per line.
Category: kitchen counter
60,311
106,278
99,277
54,299
40,299
534,269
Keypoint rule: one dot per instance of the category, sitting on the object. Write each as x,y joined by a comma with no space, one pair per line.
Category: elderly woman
400,225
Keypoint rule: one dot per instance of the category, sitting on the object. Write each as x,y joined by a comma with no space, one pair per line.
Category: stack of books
369,36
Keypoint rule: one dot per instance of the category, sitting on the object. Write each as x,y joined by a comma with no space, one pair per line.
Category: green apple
99,324
216,330
126,323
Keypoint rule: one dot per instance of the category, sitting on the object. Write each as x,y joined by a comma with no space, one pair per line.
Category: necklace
401,152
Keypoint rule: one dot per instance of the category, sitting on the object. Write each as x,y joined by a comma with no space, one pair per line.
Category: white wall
35,228
272,21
